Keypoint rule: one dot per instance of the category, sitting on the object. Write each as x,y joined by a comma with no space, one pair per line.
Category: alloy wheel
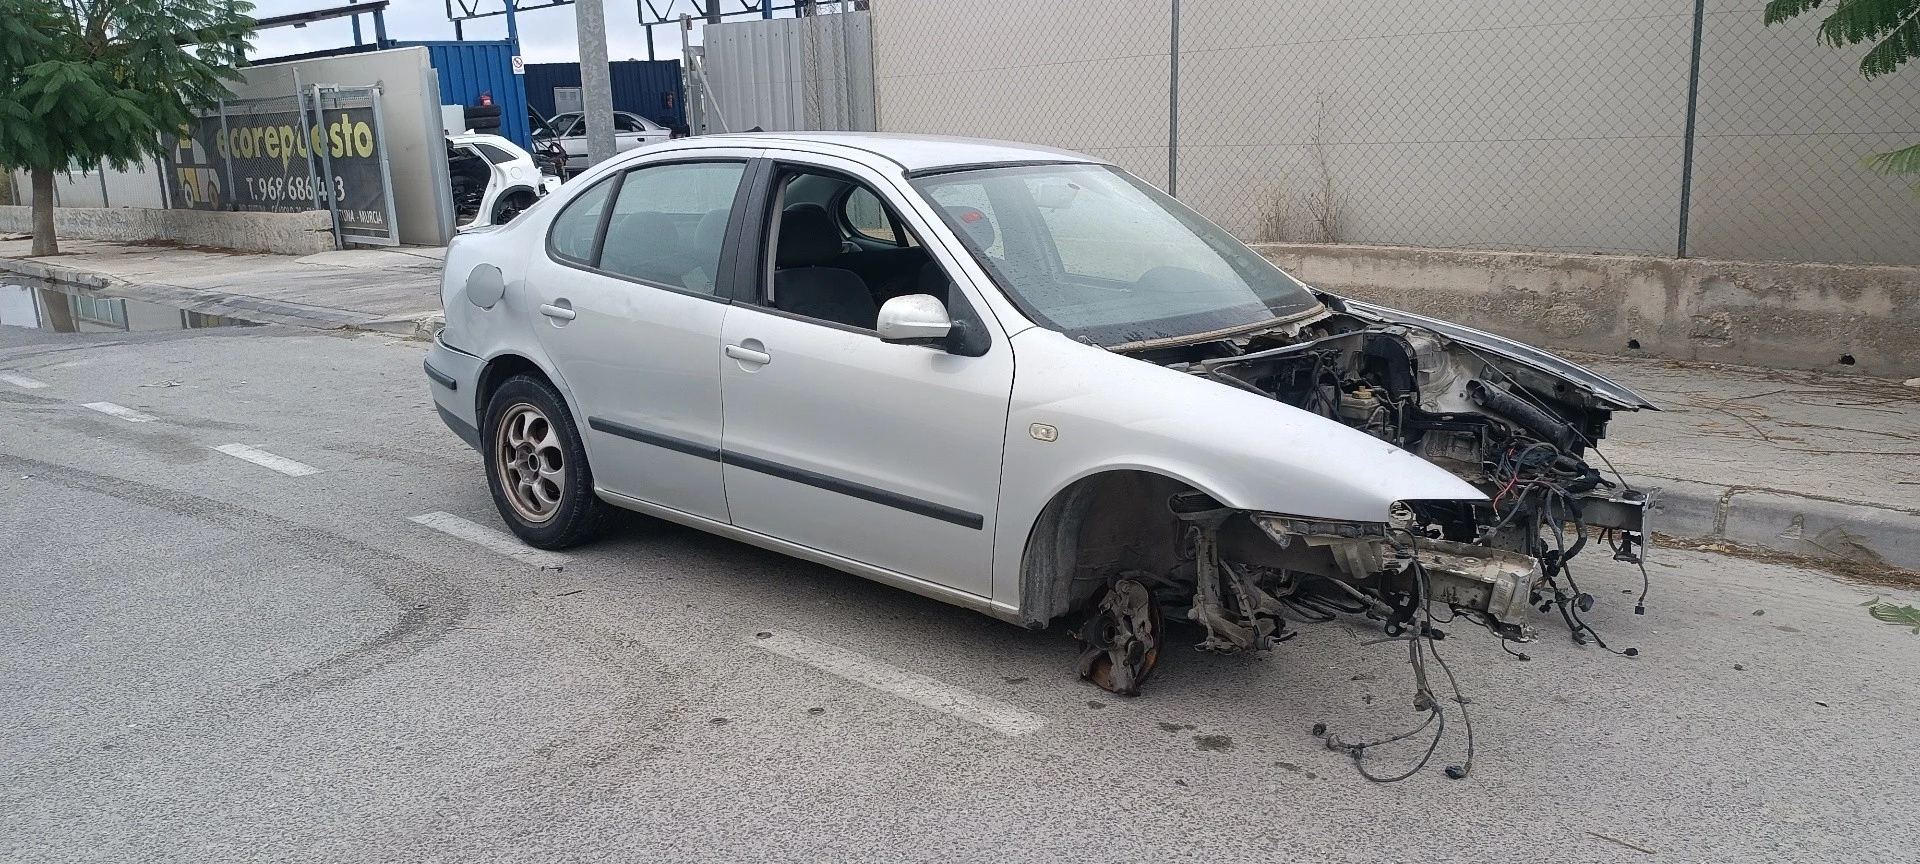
531,462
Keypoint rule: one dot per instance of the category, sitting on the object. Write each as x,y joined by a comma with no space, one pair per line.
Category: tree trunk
43,240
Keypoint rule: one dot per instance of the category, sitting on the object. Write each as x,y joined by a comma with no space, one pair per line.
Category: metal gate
784,74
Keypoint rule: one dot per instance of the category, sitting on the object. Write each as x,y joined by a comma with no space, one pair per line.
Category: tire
537,467
475,112
485,127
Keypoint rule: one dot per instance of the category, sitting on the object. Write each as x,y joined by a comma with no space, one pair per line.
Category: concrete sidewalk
1804,463
390,289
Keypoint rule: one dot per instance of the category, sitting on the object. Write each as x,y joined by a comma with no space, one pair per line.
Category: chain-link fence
1661,127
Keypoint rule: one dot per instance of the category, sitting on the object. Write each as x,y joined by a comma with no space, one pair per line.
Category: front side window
626,123
670,222
576,227
1098,254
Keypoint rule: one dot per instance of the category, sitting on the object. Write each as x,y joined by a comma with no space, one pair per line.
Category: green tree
85,82
1894,28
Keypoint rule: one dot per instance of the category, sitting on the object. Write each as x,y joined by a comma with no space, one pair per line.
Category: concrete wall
1774,314
138,186
282,233
410,103
1545,125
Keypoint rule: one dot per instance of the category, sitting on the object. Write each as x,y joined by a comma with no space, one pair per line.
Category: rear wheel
537,467
510,206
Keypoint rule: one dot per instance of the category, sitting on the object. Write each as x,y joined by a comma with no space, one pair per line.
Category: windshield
1098,254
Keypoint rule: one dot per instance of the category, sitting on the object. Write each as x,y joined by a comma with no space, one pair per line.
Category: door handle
564,313
748,355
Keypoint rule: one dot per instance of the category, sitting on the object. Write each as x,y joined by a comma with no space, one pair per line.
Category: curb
57,273
420,325
1786,522
247,308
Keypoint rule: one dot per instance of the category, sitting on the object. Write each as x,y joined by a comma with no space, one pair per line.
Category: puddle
39,305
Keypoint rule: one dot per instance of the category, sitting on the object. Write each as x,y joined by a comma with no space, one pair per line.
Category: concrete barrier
303,233
1826,317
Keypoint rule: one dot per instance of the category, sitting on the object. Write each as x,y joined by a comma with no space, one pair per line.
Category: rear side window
867,217
670,223
575,228
494,154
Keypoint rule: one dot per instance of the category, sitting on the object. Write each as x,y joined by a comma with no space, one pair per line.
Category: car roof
479,138
911,152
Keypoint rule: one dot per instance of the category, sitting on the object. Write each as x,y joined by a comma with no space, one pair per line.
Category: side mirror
914,319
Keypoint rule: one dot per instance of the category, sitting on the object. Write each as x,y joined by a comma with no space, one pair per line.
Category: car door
573,139
630,297
887,454
628,133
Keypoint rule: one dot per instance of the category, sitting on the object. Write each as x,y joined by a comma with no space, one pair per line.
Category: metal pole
356,24
326,161
696,110
1173,107
766,8
596,85
226,149
459,32
102,171
386,170
379,29
846,65
306,141
166,188
649,29
513,29
1693,110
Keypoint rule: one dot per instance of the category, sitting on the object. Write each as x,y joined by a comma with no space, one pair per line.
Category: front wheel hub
1120,643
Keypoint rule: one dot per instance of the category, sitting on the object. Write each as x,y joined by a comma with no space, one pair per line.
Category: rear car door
887,454
630,297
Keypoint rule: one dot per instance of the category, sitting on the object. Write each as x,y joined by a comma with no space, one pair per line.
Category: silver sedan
1018,380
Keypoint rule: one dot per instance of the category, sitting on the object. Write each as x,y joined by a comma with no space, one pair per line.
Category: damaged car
1019,380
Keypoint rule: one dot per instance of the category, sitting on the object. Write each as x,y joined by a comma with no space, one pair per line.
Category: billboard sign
288,154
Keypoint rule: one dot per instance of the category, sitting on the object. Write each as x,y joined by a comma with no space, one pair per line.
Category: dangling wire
1420,644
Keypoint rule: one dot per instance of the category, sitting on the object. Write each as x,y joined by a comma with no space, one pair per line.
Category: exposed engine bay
1518,424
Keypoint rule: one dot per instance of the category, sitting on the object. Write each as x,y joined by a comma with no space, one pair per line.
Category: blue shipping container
468,69
649,88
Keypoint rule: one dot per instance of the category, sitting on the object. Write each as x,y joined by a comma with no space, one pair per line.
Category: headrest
933,280
712,230
808,237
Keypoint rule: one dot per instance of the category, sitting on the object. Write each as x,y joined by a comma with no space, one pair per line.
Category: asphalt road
204,659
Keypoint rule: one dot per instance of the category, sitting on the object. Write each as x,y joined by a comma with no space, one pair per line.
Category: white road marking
498,541
268,460
22,381
913,687
120,411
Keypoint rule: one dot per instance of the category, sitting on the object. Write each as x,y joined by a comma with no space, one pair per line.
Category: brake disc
1120,643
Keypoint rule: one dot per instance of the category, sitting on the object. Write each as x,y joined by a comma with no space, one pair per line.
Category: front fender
1111,412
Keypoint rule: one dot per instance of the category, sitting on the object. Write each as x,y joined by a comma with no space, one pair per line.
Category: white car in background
629,131
493,179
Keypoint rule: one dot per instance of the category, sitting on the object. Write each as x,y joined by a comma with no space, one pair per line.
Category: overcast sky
546,35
